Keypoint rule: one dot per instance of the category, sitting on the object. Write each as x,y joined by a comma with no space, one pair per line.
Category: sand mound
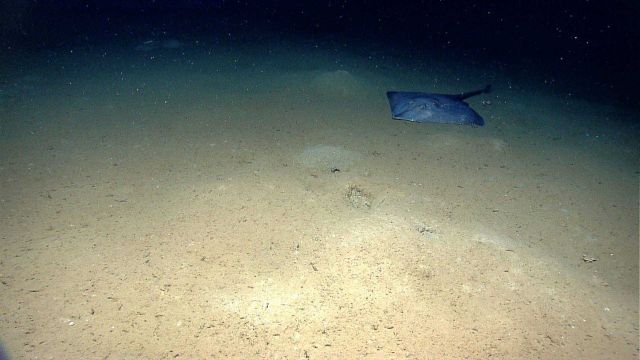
337,83
326,157
462,141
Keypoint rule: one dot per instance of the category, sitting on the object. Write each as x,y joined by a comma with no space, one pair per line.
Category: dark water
583,48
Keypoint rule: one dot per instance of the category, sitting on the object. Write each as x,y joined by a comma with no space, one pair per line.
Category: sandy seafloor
179,203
